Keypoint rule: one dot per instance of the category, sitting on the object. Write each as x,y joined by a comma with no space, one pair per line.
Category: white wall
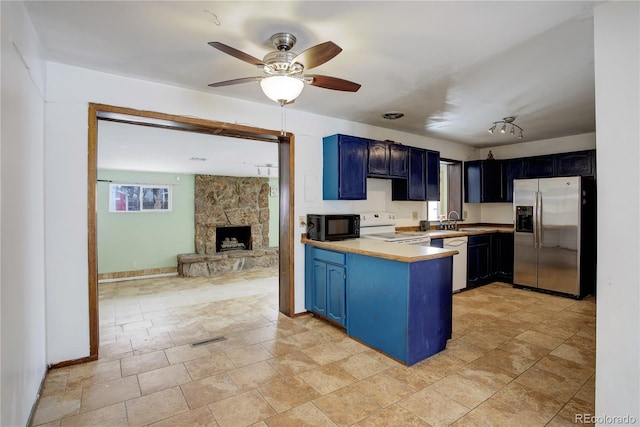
565,144
23,355
70,89
617,72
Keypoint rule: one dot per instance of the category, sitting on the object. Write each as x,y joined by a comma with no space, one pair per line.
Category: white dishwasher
459,261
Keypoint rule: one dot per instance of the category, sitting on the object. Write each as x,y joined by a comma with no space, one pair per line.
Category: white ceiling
452,67
141,148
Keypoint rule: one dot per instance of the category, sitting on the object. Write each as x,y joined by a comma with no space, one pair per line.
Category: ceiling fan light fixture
282,89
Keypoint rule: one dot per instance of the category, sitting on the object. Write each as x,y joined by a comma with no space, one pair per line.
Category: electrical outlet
302,221
464,214
134,264
414,214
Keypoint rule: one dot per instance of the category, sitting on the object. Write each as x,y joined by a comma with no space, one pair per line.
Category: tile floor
516,358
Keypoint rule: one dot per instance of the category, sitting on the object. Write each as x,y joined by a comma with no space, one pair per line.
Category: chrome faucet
453,226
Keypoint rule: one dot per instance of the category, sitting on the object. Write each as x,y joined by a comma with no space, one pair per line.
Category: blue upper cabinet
538,167
433,175
576,163
378,162
484,181
398,161
513,170
344,167
349,160
415,186
387,160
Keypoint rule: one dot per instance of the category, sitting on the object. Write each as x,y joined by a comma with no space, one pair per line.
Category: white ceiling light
282,89
507,121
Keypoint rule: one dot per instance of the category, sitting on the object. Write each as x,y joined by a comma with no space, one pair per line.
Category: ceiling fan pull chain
283,120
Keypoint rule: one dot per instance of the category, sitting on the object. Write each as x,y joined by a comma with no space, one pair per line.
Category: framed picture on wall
139,198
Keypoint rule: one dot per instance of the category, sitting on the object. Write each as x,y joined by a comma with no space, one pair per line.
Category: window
139,198
450,191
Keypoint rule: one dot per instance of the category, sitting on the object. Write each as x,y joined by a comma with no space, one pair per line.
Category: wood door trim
285,141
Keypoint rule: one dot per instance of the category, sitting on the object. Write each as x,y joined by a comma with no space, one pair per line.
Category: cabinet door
513,170
417,185
378,162
484,181
433,175
478,260
493,181
572,164
538,167
472,182
398,160
352,173
473,268
336,279
319,288
502,256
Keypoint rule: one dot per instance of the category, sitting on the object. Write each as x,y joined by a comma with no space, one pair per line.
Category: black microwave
333,227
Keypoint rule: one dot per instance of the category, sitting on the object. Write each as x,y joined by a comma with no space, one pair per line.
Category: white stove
382,226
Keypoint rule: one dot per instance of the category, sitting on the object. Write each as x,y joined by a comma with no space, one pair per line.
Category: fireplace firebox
233,238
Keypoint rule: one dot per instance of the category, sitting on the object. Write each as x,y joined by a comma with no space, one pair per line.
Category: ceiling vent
392,115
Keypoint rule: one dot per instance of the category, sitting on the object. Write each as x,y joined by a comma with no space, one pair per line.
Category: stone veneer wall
229,201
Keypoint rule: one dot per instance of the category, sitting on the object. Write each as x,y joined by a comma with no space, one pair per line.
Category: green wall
144,240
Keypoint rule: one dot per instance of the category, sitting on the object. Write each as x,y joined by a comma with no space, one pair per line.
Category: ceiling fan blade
317,55
328,82
235,81
236,53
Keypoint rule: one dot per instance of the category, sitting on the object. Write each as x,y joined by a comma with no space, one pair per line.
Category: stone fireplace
231,226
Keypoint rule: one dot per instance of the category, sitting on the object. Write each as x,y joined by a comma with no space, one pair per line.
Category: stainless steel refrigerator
555,235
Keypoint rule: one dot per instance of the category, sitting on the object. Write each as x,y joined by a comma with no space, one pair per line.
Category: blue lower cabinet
336,293
401,309
325,278
319,288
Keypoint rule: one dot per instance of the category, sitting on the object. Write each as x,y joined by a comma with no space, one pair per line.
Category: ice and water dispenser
524,219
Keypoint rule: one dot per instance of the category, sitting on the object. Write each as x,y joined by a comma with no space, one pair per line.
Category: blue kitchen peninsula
392,297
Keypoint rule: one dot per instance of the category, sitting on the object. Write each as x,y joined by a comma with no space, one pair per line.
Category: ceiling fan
283,77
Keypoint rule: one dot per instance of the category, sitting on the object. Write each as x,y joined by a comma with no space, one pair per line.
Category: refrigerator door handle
539,218
535,220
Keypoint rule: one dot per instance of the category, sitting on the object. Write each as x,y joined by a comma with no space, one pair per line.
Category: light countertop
385,250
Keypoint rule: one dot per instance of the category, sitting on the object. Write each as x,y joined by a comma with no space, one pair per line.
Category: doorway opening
285,144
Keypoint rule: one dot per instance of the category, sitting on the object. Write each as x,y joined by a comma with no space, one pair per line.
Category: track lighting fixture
268,167
507,121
